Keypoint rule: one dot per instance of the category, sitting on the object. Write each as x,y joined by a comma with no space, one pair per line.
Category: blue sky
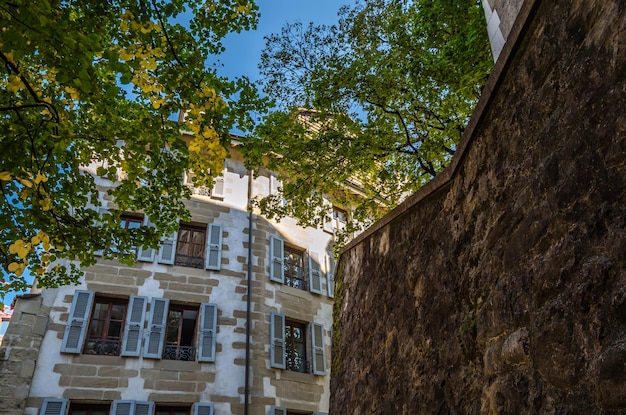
243,50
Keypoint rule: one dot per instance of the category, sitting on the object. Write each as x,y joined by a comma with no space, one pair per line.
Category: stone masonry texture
500,288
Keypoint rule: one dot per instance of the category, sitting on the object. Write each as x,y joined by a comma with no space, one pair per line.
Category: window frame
104,341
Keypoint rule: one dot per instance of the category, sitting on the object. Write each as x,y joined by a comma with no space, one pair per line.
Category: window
180,333
52,406
89,409
216,192
289,345
105,327
172,410
295,346
293,267
340,218
190,246
197,246
173,332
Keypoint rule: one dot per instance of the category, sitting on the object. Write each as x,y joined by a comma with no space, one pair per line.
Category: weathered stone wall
500,288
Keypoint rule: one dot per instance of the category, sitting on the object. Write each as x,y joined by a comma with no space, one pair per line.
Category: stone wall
500,287
19,352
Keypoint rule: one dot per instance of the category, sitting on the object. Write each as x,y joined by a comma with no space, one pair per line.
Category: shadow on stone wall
500,287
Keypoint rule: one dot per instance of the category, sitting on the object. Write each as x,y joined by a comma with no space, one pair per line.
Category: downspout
248,297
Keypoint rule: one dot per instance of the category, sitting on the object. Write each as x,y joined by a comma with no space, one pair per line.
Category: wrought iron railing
297,282
297,364
102,347
173,352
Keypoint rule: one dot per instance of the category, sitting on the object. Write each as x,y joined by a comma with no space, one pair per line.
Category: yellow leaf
5,176
14,266
40,178
35,240
26,182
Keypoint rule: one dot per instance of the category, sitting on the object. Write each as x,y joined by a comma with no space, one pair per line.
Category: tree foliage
95,84
391,88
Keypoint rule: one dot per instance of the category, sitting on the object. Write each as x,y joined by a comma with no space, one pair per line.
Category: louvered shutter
208,329
77,322
153,346
133,329
315,273
53,406
122,407
218,186
330,276
214,247
146,254
278,410
167,251
319,356
277,257
200,408
277,340
143,408
329,224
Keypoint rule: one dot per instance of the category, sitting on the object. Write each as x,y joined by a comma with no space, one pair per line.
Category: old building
177,333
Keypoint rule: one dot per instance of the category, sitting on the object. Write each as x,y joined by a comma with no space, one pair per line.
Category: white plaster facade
72,382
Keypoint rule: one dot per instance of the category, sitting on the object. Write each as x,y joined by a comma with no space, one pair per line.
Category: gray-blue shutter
208,330
214,247
167,251
315,273
218,186
53,406
278,410
153,347
122,407
146,254
330,277
317,343
77,322
277,258
277,341
143,408
133,329
201,408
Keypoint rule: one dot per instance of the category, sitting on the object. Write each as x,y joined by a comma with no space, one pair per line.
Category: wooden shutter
330,276
208,329
77,322
53,406
167,251
278,410
200,408
218,186
214,247
277,256
133,329
143,408
277,341
146,254
319,356
315,273
155,337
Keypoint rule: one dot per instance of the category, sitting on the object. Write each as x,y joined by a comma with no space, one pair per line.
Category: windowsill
298,376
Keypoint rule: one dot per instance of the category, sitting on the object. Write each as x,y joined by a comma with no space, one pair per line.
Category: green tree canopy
97,83
391,88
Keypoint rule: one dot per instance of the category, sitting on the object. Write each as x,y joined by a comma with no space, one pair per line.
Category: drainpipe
248,297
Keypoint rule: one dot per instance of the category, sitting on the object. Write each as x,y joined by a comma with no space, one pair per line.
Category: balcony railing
173,352
102,347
